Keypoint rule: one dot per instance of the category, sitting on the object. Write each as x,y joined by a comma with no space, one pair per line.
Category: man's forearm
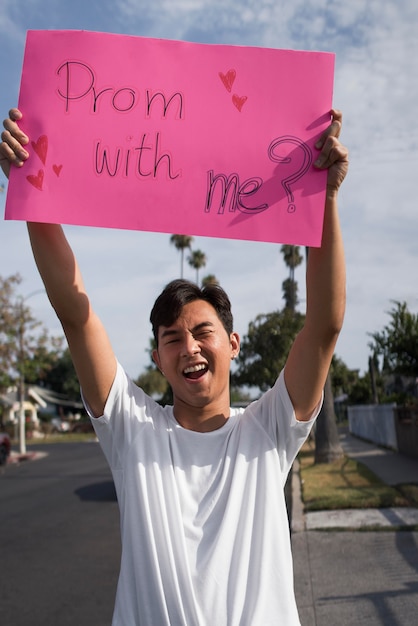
326,280
59,271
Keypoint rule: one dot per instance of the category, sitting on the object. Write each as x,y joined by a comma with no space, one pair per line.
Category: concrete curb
347,519
17,457
298,522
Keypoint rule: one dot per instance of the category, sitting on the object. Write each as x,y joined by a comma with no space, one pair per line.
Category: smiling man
205,535
193,330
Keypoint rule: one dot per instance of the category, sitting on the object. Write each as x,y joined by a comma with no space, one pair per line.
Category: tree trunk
372,371
327,441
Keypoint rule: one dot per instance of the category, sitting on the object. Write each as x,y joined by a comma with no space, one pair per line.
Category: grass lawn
347,484
59,438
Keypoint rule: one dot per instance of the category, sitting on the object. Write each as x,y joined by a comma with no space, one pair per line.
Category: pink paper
166,136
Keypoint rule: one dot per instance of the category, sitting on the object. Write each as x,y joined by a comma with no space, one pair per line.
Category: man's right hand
13,141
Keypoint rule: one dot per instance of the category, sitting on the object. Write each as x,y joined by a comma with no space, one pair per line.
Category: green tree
397,342
27,351
197,260
9,324
265,347
62,377
358,389
181,243
153,382
239,397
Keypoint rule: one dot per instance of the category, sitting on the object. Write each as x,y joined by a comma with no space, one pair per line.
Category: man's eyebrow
201,326
170,332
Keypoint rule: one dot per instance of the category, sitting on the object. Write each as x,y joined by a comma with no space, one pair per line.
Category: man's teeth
194,368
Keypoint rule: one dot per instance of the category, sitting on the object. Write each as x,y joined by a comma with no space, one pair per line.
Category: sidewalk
351,577
391,467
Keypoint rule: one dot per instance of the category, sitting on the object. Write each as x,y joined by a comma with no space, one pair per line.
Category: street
60,545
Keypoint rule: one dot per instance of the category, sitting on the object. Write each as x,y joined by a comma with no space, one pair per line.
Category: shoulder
127,399
276,400
275,413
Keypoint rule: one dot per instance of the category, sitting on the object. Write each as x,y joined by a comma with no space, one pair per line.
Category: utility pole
21,332
21,360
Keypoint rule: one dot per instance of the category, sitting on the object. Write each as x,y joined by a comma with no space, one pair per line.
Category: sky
376,87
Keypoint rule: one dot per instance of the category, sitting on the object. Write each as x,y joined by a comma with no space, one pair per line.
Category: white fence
375,423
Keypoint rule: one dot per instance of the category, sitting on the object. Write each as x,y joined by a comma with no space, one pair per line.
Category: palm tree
181,242
210,279
292,259
197,259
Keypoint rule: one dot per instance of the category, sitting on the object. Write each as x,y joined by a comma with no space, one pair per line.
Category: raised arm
310,356
88,342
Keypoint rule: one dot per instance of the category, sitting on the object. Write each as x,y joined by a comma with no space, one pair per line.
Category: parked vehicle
59,425
82,426
5,448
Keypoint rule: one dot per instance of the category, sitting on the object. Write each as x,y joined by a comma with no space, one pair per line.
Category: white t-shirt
205,534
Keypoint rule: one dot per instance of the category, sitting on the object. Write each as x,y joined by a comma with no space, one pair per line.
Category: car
82,426
59,425
5,448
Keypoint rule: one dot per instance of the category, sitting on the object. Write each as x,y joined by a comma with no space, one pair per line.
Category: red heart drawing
228,79
239,101
41,147
36,181
57,169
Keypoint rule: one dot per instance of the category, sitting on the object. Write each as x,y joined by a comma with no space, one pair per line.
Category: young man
205,536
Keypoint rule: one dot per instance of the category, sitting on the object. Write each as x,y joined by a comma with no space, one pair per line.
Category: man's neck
200,419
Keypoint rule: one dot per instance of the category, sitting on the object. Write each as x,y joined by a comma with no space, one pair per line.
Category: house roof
40,396
52,397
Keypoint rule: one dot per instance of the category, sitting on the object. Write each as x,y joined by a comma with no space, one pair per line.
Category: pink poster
174,137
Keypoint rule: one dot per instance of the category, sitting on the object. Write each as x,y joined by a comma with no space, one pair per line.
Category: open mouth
195,372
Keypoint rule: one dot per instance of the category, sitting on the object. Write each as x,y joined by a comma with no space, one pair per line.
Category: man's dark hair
169,304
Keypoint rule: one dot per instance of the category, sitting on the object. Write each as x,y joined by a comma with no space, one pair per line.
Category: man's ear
235,345
156,359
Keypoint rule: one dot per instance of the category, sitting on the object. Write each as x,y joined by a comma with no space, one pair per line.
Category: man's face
195,355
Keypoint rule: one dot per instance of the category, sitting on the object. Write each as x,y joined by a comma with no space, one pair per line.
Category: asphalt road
60,545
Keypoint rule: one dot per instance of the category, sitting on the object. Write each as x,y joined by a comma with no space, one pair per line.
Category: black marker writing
300,171
80,82
231,193
227,192
144,160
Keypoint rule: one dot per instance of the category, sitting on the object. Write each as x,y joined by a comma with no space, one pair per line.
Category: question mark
292,178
